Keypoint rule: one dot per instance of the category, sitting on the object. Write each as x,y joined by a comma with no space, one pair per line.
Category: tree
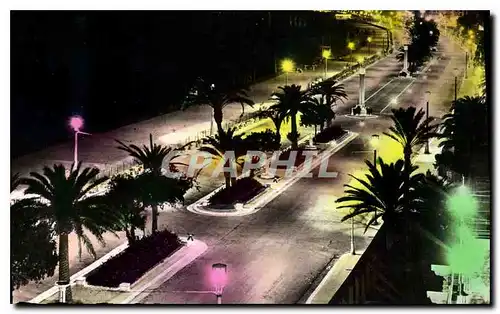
465,136
277,115
152,159
380,193
290,101
331,92
318,114
217,96
410,130
124,198
217,146
33,247
70,208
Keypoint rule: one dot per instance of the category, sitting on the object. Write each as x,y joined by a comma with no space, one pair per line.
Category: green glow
467,258
462,204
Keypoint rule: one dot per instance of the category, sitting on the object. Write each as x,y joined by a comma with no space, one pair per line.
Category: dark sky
117,67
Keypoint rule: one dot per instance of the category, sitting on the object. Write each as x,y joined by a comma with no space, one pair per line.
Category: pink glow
218,277
76,123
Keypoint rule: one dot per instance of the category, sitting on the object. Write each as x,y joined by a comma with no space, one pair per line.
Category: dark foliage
331,133
135,260
242,191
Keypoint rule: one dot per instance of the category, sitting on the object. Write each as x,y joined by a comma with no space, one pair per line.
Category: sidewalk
149,281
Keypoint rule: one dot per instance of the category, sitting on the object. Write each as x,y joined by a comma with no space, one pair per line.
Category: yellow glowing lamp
351,45
287,65
326,53
369,39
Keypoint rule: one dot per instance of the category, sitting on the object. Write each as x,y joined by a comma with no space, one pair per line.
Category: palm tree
380,193
410,130
217,97
291,100
331,92
318,114
277,116
70,208
464,134
224,142
152,159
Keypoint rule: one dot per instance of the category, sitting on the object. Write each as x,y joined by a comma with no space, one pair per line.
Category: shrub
136,260
241,192
331,133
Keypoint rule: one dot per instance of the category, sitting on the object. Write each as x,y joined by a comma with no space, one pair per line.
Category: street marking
379,90
407,86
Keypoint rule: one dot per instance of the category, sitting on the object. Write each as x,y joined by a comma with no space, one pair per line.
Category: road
274,255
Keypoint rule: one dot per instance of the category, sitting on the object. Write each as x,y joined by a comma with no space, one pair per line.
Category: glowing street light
351,47
219,279
76,123
287,66
326,55
375,141
369,39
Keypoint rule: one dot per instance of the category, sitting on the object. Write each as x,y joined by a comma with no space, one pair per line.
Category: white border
193,4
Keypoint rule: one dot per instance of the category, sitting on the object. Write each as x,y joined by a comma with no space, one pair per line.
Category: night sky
118,67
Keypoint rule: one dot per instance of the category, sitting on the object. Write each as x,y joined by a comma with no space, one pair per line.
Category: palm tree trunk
154,219
218,120
227,177
295,144
64,264
278,134
315,129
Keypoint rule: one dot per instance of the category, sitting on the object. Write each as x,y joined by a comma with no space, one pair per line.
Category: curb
182,259
46,294
265,199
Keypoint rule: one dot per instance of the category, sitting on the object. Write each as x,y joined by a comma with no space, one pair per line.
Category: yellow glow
369,39
360,59
351,45
326,53
287,65
471,33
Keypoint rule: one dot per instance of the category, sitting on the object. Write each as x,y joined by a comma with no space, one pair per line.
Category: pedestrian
276,179
190,237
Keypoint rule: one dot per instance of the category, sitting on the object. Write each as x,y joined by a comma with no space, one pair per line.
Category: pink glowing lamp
219,279
76,123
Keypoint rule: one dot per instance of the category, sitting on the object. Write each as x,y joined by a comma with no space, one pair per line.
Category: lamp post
369,39
326,55
362,73
405,60
219,279
351,47
375,141
427,98
287,66
76,123
455,72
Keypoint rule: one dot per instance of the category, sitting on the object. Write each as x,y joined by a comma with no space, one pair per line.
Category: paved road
274,255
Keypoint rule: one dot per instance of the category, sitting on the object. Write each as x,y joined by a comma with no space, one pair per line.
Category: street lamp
326,55
456,72
351,47
219,279
369,39
287,66
76,123
427,98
